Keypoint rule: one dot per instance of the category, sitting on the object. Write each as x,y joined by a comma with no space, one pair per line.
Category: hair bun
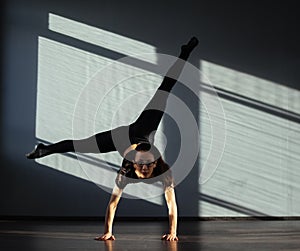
144,146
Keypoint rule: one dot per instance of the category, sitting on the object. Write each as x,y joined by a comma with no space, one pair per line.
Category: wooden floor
231,235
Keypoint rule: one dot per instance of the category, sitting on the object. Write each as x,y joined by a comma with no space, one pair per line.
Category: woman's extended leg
101,142
151,116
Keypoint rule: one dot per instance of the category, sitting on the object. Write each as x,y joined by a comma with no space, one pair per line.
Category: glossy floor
231,235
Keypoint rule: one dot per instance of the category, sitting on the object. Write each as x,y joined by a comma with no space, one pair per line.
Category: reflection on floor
145,235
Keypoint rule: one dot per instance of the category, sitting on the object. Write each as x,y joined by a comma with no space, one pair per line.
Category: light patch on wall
102,38
261,90
63,72
259,168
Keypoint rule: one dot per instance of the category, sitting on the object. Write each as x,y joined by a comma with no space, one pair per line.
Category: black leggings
120,138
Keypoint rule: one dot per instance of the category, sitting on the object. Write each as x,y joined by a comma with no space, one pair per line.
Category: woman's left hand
169,237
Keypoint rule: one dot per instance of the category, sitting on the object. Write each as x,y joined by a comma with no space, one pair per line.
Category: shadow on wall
254,171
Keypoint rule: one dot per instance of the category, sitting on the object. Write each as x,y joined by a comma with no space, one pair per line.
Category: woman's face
144,164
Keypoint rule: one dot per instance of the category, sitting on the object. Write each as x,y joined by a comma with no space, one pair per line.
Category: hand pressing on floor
169,237
105,237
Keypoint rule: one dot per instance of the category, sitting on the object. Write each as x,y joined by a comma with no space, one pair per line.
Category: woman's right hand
105,237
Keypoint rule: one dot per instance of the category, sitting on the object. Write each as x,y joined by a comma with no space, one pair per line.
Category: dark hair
162,169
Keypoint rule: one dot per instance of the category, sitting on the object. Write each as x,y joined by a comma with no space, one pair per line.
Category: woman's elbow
172,206
113,206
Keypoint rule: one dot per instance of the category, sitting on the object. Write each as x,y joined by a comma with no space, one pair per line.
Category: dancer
148,166
141,160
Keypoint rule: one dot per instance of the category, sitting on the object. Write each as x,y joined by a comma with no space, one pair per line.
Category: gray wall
259,40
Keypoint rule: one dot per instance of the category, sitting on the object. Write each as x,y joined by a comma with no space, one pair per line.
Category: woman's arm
110,214
172,207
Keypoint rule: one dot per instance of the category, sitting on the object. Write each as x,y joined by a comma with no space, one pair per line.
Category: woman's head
146,162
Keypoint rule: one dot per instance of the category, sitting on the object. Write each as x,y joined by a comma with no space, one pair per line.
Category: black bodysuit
120,138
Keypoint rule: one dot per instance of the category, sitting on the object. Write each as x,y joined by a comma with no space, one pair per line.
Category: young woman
142,160
148,166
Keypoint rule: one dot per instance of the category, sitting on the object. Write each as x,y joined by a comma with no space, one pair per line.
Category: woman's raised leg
151,116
